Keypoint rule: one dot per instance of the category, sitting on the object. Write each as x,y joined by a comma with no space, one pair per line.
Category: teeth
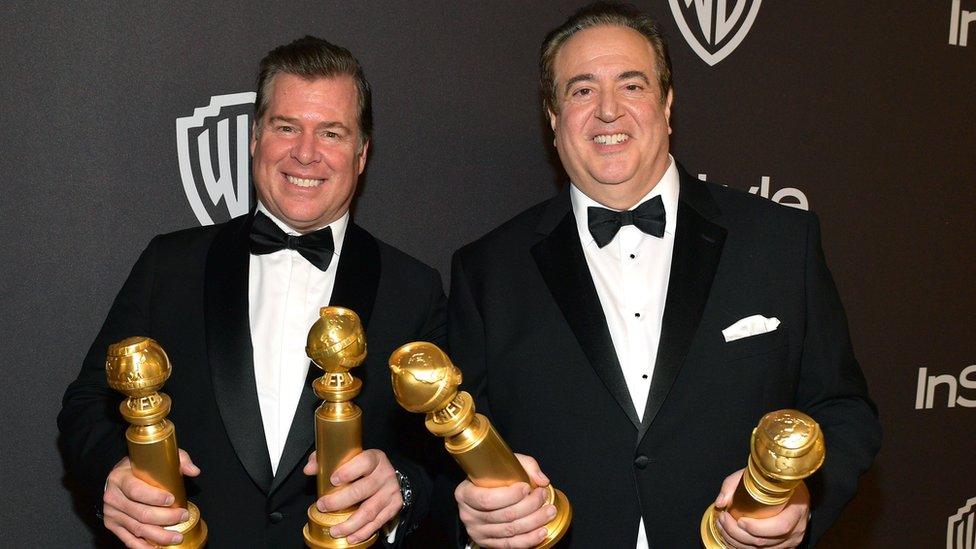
304,182
611,139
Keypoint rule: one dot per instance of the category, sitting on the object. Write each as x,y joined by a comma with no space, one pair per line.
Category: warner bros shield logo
714,28
961,528
215,163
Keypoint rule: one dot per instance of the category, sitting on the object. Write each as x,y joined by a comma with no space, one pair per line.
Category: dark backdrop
863,111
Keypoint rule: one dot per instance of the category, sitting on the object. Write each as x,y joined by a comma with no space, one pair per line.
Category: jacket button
276,517
642,461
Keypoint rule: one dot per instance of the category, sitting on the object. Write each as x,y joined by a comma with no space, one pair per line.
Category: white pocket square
750,326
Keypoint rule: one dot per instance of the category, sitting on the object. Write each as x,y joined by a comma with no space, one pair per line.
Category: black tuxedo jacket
526,327
188,291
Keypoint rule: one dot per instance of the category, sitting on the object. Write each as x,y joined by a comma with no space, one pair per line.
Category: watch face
406,493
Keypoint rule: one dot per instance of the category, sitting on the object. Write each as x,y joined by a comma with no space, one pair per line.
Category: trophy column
335,344
425,381
786,447
138,367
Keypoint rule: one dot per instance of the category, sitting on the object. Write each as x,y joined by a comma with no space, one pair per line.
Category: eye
285,129
582,92
634,87
331,135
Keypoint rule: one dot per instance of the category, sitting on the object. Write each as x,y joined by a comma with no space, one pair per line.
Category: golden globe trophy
786,447
138,367
425,381
335,343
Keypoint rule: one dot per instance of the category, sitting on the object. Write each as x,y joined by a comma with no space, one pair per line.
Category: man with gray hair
232,305
629,333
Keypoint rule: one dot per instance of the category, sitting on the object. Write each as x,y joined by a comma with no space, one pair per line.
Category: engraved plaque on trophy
138,367
336,343
425,381
786,447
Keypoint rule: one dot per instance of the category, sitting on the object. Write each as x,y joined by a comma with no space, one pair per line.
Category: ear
552,118
362,157
667,109
254,136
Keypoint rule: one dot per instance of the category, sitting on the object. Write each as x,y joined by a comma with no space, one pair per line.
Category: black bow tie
604,223
316,247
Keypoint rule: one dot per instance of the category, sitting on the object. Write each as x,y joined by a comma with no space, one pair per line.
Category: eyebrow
589,77
633,74
579,78
293,120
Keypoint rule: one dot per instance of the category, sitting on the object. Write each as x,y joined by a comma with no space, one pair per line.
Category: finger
528,505
726,538
371,527
490,499
728,488
374,507
739,537
144,514
526,532
531,467
117,522
134,489
381,479
525,524
312,465
127,538
779,526
790,522
359,466
187,467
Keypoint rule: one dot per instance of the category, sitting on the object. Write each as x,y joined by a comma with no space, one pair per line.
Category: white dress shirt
631,276
285,293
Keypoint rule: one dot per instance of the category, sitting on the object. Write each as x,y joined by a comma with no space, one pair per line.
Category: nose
608,110
304,150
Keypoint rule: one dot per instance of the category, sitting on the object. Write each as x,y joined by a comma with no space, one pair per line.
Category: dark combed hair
595,15
311,58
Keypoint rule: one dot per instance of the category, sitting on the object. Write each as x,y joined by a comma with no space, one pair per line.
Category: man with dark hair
629,333
232,305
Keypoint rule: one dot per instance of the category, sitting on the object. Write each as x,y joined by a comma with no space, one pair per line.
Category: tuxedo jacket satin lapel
694,260
560,259
229,349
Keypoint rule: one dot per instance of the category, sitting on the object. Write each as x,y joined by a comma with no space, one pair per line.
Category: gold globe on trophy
425,381
336,343
138,367
786,447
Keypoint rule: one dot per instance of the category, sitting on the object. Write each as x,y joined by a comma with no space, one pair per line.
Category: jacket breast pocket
757,345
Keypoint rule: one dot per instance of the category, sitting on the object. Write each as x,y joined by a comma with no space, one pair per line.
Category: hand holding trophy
786,447
425,381
336,343
138,367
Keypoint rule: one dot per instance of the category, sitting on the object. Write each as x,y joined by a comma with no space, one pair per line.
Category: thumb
312,467
531,467
187,467
728,488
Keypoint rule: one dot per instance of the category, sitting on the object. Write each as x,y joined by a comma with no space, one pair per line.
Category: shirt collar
338,227
667,187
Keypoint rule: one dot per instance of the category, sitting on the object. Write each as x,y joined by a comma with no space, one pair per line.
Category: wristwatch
406,492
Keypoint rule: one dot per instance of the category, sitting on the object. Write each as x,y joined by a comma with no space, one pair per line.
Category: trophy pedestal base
709,534
317,531
194,530
556,527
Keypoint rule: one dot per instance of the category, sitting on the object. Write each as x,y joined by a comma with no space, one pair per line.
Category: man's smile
304,182
610,139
